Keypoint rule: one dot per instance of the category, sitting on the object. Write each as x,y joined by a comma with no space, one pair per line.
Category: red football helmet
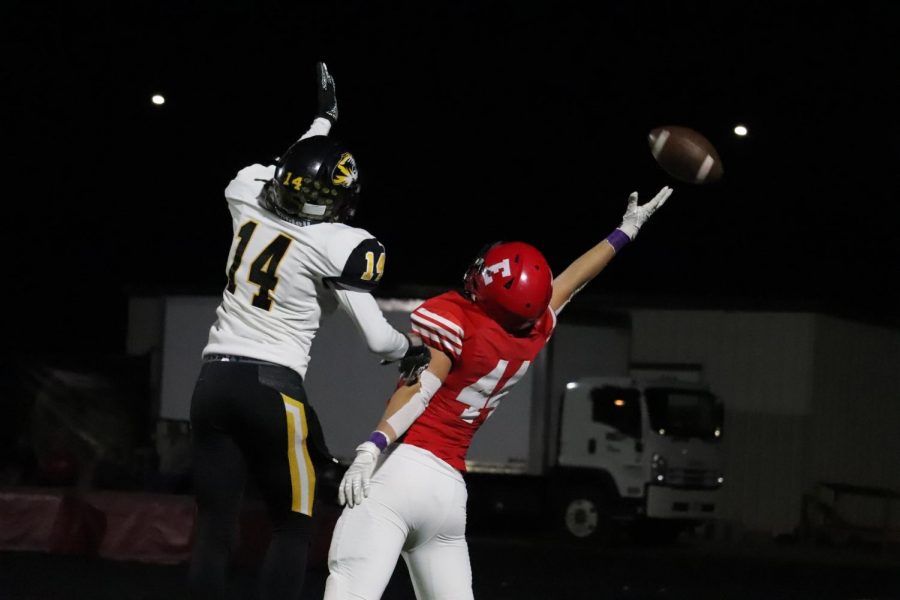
512,283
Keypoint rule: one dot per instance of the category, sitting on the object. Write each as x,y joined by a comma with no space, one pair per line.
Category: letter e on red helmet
512,283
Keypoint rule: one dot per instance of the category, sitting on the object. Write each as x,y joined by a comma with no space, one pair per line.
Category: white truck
641,451
584,441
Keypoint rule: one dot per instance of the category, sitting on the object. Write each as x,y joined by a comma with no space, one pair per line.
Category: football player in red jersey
411,500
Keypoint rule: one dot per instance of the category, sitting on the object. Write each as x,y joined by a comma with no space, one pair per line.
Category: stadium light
740,130
158,99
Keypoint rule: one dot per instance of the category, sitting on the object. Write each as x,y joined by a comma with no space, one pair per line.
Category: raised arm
591,263
327,114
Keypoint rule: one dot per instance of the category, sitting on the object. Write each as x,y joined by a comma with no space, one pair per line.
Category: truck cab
643,450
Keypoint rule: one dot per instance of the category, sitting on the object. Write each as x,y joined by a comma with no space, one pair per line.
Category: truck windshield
684,413
617,407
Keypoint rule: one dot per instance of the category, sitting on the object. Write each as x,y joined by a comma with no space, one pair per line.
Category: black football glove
327,98
415,360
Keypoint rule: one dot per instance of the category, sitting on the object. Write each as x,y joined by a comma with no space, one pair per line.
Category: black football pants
252,417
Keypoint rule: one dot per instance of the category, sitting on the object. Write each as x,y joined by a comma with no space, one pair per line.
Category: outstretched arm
380,336
592,262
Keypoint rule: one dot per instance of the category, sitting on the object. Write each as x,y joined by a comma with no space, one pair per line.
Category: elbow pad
401,420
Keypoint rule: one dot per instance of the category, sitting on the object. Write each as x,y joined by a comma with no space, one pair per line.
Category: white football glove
636,216
355,484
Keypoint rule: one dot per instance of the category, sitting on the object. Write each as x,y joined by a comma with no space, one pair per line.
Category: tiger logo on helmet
345,173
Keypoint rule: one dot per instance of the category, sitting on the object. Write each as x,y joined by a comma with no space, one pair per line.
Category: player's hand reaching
327,98
355,484
635,216
416,360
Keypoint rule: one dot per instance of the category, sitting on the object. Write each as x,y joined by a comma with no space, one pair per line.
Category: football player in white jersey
411,500
293,260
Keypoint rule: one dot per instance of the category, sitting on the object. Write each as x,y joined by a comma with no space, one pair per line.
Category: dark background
471,121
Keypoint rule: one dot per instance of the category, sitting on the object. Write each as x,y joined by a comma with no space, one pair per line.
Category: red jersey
487,361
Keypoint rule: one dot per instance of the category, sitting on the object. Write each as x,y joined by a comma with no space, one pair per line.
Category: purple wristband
617,239
380,439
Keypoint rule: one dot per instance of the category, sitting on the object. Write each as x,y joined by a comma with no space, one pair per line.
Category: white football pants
416,508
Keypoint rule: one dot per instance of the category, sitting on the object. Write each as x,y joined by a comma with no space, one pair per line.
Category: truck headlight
658,468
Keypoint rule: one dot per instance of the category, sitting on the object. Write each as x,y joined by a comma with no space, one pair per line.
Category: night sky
471,122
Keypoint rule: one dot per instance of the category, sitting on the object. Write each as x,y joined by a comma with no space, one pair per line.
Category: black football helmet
316,180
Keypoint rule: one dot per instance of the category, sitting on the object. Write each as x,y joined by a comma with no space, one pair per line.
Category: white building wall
855,430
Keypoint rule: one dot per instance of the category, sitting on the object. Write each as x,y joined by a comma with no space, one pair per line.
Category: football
685,154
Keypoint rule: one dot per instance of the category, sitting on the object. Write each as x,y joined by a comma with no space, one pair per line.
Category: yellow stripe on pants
303,476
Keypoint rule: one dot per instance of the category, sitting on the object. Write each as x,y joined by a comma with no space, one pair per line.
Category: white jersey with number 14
283,278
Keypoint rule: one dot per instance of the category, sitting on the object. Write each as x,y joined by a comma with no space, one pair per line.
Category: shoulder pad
256,172
364,267
248,183
441,324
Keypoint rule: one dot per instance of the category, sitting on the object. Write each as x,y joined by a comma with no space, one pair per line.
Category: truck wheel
584,516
